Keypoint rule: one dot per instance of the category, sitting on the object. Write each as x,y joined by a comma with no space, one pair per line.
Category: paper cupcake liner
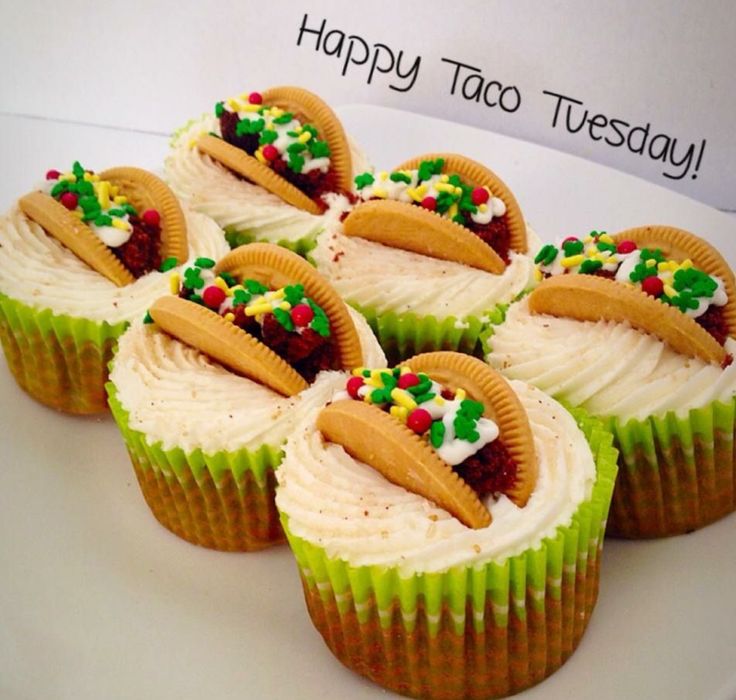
676,474
301,246
402,335
478,632
221,501
59,360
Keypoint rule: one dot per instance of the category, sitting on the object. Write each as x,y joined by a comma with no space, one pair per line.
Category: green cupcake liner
59,360
402,335
301,246
676,473
480,631
222,501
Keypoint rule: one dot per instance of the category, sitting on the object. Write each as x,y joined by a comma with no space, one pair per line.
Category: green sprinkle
296,147
363,180
427,168
103,220
366,373
389,381
294,293
285,118
400,177
471,409
229,280
84,187
573,248
130,209
255,287
320,323
459,219
245,126
193,278
267,136
312,130
89,202
318,149
78,170
437,434
147,318
59,188
240,296
546,255
204,263
284,318
196,298
219,109
423,398
169,264
610,247
425,384
296,162
588,267
116,212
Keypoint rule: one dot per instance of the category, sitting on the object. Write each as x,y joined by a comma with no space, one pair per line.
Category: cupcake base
221,501
676,474
475,632
300,246
59,360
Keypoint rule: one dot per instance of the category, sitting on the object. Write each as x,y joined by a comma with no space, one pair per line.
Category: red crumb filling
141,253
307,352
491,470
714,321
314,183
495,233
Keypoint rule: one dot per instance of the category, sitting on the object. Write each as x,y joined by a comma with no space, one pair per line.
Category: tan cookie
402,456
72,232
482,383
310,109
680,245
591,298
223,341
419,230
277,267
146,191
477,175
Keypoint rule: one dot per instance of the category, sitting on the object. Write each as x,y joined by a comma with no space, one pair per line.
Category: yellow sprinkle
219,282
174,283
453,210
460,395
444,178
192,143
276,112
304,137
438,399
404,369
669,291
378,373
114,191
88,177
403,398
78,213
120,199
588,239
572,261
399,412
379,192
122,224
285,305
612,259
605,238
256,309
249,108
444,187
102,189
383,176
233,103
482,207
667,266
95,178
686,264
259,155
276,294
458,191
367,396
537,274
373,381
651,262
358,371
236,287
69,177
229,316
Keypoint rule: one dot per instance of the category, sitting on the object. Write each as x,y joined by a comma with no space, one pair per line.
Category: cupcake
206,393
637,328
432,252
79,260
266,167
457,555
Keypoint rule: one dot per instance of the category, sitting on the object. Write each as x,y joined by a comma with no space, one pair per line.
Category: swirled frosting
610,369
236,204
177,395
39,271
374,275
355,514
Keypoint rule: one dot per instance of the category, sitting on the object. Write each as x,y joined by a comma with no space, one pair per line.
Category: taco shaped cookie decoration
122,222
444,206
443,425
661,280
287,140
263,312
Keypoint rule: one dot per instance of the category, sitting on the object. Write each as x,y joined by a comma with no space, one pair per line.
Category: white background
152,65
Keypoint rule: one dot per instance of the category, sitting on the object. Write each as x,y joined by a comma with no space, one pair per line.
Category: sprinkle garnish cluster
429,187
673,282
240,302
453,424
280,134
98,203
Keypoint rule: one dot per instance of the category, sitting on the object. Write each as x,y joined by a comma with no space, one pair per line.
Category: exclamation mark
700,158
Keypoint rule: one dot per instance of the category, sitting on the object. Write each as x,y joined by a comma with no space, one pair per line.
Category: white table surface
99,601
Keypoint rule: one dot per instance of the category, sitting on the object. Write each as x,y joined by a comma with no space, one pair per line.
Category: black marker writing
474,86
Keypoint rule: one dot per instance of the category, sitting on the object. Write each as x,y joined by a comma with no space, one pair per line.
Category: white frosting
374,275
177,395
39,271
236,204
355,514
610,369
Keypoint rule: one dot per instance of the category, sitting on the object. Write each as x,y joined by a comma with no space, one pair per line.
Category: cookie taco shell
308,107
410,227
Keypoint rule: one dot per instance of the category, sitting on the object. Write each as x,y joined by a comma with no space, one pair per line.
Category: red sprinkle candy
419,420
270,152
354,383
626,247
69,200
407,380
52,175
479,195
213,296
302,314
255,98
429,203
151,217
653,286
570,238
